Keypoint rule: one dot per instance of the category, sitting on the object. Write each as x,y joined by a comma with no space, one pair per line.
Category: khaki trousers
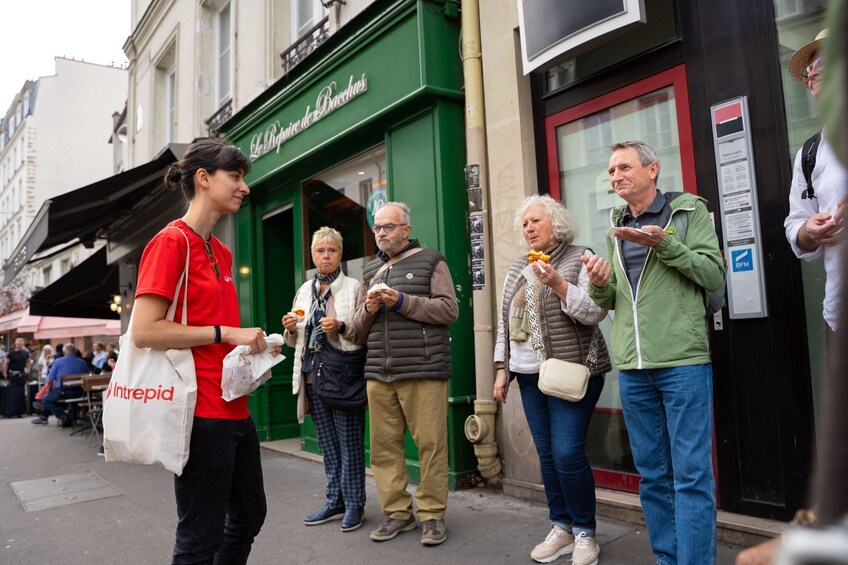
422,406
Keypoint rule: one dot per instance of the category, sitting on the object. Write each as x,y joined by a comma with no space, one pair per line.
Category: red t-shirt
210,301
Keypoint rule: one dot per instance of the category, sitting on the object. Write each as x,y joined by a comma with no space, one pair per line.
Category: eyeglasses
212,259
817,64
388,228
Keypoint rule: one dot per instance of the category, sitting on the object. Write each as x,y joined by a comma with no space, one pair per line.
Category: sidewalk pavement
121,513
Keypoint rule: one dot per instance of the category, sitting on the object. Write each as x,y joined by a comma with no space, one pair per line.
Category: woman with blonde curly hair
547,314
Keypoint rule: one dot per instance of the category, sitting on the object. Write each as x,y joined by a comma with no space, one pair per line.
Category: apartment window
47,275
65,266
223,54
305,15
170,103
165,115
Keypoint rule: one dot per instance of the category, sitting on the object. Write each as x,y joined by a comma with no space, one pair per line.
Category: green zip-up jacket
661,322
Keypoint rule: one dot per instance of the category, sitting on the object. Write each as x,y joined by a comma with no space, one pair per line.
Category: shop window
787,9
345,198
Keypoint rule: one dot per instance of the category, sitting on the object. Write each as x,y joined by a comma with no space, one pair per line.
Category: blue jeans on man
669,417
52,398
559,431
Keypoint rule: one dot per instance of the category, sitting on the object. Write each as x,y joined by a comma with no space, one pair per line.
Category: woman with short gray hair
320,320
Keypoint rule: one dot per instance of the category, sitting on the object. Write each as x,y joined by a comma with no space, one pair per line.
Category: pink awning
29,323
12,320
52,327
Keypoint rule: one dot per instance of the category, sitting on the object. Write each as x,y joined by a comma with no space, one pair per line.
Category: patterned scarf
533,304
533,315
314,331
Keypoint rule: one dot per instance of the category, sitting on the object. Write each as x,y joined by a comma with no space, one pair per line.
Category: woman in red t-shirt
220,494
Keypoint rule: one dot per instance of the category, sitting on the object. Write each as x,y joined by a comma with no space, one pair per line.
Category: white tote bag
148,409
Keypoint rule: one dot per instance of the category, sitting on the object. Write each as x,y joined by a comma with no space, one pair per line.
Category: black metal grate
305,45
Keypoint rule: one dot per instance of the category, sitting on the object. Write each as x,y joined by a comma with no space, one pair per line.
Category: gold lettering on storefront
329,99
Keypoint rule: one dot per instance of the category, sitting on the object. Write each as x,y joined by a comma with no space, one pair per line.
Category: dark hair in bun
210,155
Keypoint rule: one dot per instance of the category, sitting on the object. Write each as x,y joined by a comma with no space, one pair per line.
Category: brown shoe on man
391,527
433,532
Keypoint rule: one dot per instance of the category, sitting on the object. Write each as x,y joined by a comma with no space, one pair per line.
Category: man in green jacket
656,286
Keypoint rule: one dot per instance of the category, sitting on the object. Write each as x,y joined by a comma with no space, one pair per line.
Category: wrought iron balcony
305,45
217,119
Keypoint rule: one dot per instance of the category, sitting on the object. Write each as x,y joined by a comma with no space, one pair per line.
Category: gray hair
565,230
647,154
326,233
404,210
69,349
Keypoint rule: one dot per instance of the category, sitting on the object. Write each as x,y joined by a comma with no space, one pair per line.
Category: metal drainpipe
480,427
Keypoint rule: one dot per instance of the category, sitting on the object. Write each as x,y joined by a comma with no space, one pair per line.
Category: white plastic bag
245,371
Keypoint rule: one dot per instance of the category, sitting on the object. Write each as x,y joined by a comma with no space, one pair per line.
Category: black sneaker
40,420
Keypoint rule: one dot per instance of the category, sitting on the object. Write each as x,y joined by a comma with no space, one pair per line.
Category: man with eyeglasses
817,209
405,305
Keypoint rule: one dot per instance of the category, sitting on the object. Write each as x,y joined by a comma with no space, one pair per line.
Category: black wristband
217,334
342,327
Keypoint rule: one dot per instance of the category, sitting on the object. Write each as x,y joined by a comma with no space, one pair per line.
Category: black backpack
808,163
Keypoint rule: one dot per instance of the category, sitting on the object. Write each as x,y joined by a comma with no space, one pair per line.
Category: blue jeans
669,417
220,495
559,431
341,437
52,398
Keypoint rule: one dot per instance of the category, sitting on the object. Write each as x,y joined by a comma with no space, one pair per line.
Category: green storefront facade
375,113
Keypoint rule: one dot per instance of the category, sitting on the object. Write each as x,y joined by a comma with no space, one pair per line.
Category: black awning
83,292
86,212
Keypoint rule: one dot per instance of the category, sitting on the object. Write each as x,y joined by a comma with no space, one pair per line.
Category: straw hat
799,62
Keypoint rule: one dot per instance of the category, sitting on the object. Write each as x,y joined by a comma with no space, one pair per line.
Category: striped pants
341,437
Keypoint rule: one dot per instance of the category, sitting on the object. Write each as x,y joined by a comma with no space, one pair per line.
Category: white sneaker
586,550
559,542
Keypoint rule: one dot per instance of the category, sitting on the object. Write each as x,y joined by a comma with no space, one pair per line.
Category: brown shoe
433,532
391,527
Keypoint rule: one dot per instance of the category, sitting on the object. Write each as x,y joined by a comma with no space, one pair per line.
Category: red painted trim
675,77
553,158
616,480
615,411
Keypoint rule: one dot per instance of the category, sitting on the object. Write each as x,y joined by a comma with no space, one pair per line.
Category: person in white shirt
814,226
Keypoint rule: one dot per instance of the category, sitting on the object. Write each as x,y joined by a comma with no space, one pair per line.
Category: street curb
731,529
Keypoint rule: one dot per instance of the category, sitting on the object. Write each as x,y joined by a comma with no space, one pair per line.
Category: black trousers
220,494
15,400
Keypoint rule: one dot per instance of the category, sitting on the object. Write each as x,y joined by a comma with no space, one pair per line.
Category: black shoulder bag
339,380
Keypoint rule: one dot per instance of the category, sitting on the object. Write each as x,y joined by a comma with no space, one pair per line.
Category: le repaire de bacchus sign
330,98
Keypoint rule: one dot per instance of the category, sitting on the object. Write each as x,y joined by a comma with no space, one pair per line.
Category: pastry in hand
378,287
297,313
537,256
